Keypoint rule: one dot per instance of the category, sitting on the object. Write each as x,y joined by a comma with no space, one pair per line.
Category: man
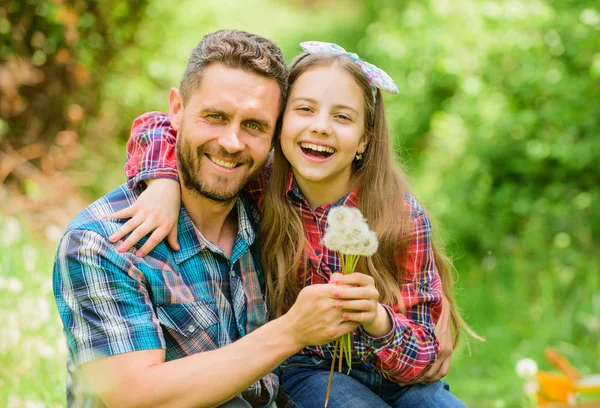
189,327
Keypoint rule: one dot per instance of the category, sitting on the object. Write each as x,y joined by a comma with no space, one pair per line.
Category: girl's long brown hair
382,187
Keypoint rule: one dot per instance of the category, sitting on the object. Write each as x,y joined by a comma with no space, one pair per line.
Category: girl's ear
362,145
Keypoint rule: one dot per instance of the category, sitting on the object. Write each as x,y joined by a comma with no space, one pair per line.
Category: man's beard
191,175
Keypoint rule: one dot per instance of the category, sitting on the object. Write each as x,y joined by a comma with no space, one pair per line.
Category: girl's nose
321,125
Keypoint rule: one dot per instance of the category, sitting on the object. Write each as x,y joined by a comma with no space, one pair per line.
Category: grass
519,324
33,352
32,348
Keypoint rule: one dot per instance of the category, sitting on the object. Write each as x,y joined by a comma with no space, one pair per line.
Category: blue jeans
304,380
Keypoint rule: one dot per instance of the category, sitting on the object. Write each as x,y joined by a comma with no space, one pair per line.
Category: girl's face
323,127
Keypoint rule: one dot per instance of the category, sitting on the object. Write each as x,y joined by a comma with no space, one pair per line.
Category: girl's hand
156,209
359,302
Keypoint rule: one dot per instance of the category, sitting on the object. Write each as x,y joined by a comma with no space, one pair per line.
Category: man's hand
156,210
314,319
443,333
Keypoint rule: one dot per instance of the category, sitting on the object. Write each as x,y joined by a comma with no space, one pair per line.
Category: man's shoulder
92,217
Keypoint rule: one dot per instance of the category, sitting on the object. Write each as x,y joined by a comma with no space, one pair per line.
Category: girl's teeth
318,148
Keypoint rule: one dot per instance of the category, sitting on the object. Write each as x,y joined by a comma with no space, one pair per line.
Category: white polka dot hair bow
377,77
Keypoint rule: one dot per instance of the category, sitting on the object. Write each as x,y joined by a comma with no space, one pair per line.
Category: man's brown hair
236,49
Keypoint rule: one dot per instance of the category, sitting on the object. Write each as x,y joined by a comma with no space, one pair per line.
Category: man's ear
175,108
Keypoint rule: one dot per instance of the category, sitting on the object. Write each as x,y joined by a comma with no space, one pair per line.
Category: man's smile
228,164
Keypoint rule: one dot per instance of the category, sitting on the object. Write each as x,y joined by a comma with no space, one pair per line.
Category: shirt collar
192,241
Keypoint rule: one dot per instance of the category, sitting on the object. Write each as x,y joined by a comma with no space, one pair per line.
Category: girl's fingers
335,278
358,317
126,229
346,327
357,292
137,234
172,239
359,305
157,236
356,279
124,213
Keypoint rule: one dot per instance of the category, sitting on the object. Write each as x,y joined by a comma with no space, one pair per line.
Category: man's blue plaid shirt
186,301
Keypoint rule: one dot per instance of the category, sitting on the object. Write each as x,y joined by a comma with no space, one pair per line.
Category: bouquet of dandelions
347,233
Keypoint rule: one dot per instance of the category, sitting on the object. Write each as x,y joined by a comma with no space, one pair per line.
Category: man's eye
215,116
253,126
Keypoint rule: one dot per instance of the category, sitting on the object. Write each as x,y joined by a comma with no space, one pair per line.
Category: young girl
334,149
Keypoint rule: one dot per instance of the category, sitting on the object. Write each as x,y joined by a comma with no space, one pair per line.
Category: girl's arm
401,345
151,150
151,164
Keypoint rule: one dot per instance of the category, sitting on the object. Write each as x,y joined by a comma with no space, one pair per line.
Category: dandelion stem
335,349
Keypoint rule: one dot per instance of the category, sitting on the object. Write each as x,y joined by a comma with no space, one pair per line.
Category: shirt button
318,252
191,329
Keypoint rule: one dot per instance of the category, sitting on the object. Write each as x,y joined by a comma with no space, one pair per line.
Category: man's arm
116,339
214,377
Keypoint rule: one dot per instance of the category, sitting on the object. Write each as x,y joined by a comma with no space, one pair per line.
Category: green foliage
53,59
32,348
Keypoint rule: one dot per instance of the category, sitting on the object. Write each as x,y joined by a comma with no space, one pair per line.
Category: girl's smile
316,152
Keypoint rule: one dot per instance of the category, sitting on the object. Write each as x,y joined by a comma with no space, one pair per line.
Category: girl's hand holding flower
359,302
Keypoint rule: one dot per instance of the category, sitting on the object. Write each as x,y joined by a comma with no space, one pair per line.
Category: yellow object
564,390
554,388
588,385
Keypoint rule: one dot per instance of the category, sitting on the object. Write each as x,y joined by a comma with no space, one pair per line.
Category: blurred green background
497,123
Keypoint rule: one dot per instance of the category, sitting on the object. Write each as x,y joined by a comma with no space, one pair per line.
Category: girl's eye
344,117
304,109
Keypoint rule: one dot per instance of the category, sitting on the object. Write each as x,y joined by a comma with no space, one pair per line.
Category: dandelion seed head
526,368
339,216
348,232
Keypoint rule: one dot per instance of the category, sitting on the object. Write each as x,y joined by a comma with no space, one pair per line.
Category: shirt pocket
189,328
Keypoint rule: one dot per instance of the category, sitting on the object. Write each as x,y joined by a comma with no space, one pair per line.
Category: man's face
225,130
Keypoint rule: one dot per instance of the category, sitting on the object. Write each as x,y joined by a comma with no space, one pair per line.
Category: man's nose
230,140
